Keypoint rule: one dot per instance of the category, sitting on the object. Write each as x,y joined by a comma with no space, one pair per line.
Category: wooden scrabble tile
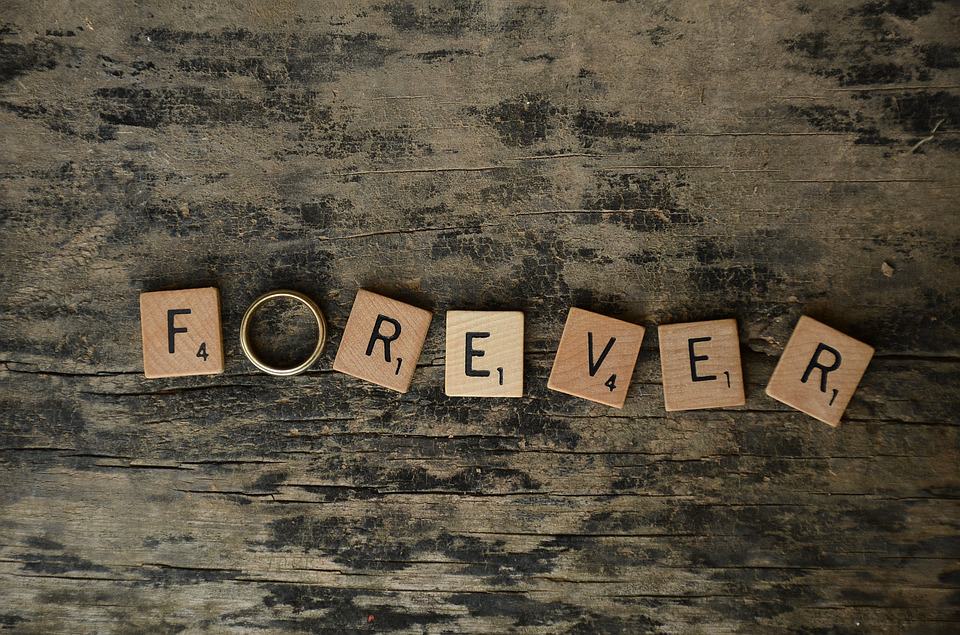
819,370
701,365
596,357
382,341
484,354
181,332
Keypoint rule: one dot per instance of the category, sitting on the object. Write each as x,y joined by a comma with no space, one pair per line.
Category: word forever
700,363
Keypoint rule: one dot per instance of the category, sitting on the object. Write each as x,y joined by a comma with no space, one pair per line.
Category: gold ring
245,335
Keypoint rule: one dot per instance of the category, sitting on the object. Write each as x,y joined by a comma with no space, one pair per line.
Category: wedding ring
245,333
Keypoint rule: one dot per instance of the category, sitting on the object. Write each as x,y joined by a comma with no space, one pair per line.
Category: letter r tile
181,333
382,341
596,357
484,354
819,370
701,365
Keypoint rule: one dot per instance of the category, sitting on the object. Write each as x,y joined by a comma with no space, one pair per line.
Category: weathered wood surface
655,161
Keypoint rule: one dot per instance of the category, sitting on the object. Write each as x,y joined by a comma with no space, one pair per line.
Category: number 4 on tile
181,332
584,368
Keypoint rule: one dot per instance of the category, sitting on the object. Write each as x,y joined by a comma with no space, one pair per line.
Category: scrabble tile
382,341
484,354
596,357
819,370
181,333
701,365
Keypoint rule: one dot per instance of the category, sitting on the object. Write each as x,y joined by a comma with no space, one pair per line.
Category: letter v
593,367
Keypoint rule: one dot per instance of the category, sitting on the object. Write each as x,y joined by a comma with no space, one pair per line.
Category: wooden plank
661,163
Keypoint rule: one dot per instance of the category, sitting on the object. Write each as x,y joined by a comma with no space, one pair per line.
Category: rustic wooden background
652,160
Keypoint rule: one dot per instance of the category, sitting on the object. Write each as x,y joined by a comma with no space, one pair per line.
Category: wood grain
660,162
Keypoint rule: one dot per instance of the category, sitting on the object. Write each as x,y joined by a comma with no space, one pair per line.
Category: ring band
245,334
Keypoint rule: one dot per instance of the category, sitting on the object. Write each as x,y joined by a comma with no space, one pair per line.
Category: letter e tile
701,365
484,354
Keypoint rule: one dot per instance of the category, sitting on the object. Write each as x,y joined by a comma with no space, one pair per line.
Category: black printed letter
471,353
694,358
377,335
592,366
173,330
815,363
